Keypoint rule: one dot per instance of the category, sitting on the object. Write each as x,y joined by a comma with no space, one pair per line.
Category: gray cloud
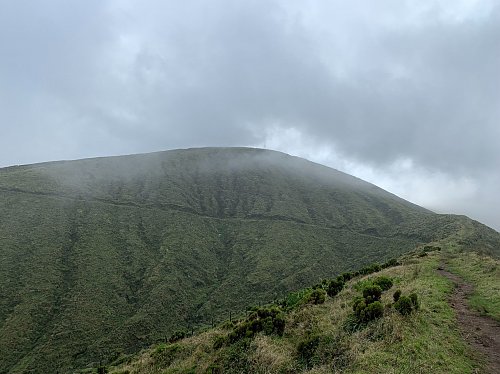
376,86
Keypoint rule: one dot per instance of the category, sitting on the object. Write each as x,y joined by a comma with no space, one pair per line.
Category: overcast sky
404,94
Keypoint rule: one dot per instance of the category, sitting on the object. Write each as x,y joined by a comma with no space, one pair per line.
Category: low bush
396,295
268,320
383,282
296,299
317,296
373,268
372,293
177,335
404,305
335,286
392,262
414,301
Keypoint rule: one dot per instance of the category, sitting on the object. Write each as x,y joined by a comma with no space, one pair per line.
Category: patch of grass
483,272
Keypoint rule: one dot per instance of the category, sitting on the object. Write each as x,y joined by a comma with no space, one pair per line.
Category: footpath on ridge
481,332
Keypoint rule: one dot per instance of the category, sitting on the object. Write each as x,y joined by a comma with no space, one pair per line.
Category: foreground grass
483,272
318,339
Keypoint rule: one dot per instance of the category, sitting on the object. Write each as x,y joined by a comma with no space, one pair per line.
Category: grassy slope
105,256
425,342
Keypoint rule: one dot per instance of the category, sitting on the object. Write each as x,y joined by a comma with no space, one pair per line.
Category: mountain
105,256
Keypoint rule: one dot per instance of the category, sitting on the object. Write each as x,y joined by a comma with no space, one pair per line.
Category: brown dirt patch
481,332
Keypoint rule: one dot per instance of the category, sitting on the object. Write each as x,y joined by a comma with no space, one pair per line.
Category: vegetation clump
369,307
396,295
336,285
405,305
317,296
267,320
177,335
383,282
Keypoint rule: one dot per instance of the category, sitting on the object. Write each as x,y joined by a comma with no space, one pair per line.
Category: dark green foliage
396,295
295,299
431,248
372,311
414,301
404,305
366,312
177,335
373,268
317,296
369,307
335,286
102,370
372,293
392,262
347,276
270,321
383,282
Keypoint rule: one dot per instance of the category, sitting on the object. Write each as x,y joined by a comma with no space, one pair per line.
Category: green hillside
327,337
102,257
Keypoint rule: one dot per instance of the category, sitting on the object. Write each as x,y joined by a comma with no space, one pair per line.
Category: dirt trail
481,332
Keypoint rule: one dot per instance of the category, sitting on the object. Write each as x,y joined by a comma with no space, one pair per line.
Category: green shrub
177,335
383,282
404,305
335,286
268,320
347,276
373,268
392,262
368,312
358,306
295,299
414,301
372,293
431,248
317,296
396,295
373,311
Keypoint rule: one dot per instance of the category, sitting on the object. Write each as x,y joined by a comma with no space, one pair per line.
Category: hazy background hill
108,255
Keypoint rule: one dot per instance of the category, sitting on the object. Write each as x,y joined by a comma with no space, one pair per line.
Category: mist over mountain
109,255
